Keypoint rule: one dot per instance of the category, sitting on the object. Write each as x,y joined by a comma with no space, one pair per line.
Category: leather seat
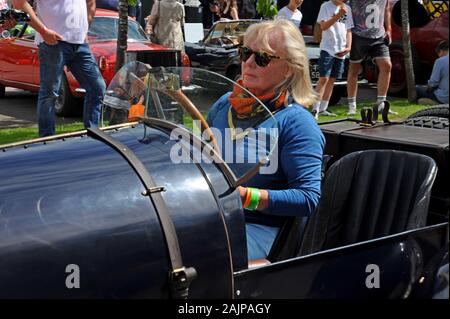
370,194
287,243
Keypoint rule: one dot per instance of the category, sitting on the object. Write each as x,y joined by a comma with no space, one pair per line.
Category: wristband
247,197
255,197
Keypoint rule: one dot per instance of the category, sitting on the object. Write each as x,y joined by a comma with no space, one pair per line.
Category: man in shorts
335,19
372,36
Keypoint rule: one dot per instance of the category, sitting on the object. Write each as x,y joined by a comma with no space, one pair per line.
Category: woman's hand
263,201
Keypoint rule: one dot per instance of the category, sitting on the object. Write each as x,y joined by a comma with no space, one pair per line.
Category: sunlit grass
27,133
402,107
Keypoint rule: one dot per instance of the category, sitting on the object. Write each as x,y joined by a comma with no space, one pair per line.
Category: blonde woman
166,21
275,69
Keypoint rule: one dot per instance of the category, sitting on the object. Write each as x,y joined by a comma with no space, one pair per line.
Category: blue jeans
330,66
423,92
79,59
259,240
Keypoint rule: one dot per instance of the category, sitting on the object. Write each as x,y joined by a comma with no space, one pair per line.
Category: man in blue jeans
62,27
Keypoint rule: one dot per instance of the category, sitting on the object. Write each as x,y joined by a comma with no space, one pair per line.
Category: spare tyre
434,111
428,122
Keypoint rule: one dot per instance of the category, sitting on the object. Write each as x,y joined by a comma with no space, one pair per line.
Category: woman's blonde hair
294,51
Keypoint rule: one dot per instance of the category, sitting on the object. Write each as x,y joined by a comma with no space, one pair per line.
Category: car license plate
314,72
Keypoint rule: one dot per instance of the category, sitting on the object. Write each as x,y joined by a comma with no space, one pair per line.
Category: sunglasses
262,59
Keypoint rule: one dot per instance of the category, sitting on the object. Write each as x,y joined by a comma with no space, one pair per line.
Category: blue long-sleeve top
294,188
439,79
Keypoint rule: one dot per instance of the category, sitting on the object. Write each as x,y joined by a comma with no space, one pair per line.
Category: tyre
428,122
2,91
434,111
66,104
398,85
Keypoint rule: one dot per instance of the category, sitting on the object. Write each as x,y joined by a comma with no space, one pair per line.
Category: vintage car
218,52
148,206
19,62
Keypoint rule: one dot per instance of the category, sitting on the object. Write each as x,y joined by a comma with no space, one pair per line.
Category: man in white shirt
62,27
291,12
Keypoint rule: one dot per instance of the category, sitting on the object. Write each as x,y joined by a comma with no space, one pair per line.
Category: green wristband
254,199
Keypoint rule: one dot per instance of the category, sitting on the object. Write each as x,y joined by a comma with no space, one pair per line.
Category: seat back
370,194
287,242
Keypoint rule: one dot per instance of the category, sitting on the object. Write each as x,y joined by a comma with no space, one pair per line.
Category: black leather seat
287,243
370,194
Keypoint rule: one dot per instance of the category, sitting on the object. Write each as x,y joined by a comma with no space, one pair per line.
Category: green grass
402,107
22,134
27,133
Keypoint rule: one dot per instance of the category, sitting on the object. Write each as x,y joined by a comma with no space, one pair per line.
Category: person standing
335,19
291,12
62,27
437,89
228,10
135,11
167,20
372,36
210,10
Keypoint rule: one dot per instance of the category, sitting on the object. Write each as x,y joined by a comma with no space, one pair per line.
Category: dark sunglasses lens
245,53
261,59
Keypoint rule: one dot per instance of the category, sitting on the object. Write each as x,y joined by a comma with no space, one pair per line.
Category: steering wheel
193,111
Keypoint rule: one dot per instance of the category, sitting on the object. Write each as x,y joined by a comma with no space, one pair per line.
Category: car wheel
398,85
2,91
428,122
434,111
66,104
338,93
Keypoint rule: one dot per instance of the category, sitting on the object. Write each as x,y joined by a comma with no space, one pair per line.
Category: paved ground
18,108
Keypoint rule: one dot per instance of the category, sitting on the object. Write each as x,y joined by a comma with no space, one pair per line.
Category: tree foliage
267,8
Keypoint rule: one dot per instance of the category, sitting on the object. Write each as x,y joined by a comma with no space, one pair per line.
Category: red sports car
19,62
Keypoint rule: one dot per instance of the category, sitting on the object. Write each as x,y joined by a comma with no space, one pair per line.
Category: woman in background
167,20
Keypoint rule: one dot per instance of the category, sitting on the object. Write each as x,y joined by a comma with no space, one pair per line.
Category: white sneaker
381,109
315,113
326,113
351,112
390,111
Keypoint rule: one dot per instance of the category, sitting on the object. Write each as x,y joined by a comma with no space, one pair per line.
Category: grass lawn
21,134
402,107
27,133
